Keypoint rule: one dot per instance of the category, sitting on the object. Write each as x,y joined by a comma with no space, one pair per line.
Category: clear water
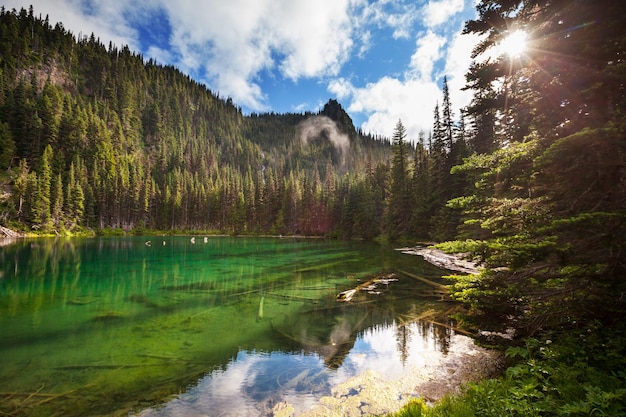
170,326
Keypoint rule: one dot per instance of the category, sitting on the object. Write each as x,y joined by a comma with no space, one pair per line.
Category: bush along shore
573,370
578,372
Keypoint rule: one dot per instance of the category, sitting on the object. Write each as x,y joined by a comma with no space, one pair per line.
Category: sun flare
514,44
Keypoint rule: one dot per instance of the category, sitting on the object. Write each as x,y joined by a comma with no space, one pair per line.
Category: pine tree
7,146
41,202
549,200
20,186
447,123
75,201
400,204
57,204
110,114
422,190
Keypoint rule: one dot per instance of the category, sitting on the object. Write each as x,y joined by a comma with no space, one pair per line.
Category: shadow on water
108,326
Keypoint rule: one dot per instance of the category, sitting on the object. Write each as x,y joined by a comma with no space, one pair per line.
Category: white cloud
227,43
412,96
402,24
160,55
315,36
428,52
341,88
399,15
366,43
437,12
458,60
390,99
236,40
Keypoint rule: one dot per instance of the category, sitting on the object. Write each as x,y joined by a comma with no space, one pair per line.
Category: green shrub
582,373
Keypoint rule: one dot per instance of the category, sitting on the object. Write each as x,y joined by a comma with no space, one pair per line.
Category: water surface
175,326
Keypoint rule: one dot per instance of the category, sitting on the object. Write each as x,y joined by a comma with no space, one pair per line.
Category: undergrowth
580,373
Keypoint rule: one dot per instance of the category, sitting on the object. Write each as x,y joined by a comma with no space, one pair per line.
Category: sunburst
514,44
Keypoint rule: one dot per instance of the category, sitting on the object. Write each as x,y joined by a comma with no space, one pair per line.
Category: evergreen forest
529,180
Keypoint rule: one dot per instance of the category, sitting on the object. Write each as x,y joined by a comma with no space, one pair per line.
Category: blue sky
383,60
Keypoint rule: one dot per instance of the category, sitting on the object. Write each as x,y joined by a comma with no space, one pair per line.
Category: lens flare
514,44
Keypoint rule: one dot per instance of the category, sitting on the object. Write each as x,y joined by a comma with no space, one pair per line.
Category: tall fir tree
400,202
550,199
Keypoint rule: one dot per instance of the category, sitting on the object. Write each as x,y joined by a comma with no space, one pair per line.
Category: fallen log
439,258
6,232
429,317
348,294
433,284
453,328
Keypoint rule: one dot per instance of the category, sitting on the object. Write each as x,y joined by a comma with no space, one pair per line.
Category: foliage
545,208
98,137
415,408
530,181
400,198
7,146
133,144
581,374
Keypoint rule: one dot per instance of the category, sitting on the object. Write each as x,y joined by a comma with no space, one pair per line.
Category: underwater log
259,316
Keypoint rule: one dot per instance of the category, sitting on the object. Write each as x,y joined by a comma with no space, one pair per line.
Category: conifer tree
20,187
400,201
41,201
57,203
148,145
422,189
7,146
548,200
447,123
75,198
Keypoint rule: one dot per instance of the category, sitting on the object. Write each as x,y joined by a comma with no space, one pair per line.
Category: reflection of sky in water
254,382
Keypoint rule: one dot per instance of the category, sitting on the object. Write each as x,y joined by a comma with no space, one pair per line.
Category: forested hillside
95,137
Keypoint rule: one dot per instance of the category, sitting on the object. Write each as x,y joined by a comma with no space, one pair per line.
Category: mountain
99,137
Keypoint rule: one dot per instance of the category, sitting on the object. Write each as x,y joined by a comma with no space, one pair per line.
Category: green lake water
175,326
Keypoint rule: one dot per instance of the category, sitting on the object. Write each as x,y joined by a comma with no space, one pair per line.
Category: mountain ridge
147,145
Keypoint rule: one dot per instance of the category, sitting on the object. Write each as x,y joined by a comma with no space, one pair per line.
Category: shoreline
371,394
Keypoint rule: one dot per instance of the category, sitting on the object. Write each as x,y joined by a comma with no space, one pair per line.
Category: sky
383,60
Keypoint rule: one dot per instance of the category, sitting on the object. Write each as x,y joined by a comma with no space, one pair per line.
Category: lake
190,326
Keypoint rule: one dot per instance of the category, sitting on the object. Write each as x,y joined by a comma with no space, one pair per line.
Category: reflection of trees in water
442,338
31,268
403,334
440,335
169,299
331,330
